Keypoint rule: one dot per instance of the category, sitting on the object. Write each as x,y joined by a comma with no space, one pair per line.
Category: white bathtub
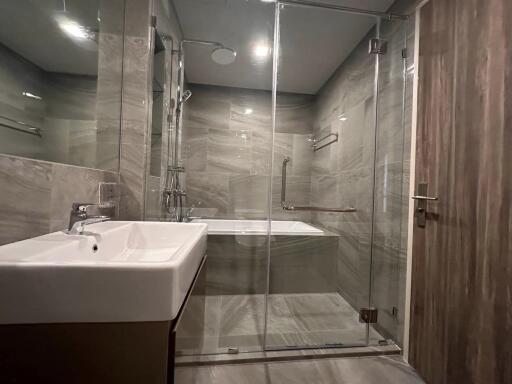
258,227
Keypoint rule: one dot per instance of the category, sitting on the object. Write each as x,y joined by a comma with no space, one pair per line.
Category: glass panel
325,129
391,199
226,153
60,76
160,125
158,117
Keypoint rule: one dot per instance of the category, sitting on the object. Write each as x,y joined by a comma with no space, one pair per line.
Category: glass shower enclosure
294,156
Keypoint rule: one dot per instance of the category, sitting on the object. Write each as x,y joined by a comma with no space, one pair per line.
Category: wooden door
461,313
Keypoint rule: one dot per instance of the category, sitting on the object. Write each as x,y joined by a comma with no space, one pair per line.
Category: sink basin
119,272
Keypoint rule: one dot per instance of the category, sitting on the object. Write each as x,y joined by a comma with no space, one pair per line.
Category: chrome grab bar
283,181
288,207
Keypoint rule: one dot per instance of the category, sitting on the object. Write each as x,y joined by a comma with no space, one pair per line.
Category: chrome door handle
421,207
425,198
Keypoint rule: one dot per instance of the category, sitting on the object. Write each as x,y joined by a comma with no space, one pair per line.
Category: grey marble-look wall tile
74,184
82,143
132,169
283,147
229,151
195,148
261,149
201,112
208,190
107,144
235,127
354,268
236,264
136,17
303,264
390,133
153,199
24,207
295,113
324,191
389,203
48,191
324,159
248,196
352,131
249,112
302,155
70,96
135,78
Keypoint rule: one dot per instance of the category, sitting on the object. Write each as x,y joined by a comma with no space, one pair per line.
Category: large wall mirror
60,80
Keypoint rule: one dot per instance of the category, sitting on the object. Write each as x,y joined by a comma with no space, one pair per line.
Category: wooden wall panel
461,323
435,108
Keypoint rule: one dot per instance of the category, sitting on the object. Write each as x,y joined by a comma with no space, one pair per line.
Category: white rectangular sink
121,272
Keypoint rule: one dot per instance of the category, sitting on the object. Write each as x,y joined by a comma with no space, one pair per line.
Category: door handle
425,198
421,207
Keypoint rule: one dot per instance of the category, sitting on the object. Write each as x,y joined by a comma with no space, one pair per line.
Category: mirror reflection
157,120
60,70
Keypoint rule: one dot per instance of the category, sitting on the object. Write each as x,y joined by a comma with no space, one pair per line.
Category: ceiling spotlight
248,111
261,51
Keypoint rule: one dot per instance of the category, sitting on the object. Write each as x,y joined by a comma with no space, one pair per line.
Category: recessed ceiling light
248,111
261,51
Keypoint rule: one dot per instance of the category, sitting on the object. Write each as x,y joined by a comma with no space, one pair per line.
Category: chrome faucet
188,218
79,217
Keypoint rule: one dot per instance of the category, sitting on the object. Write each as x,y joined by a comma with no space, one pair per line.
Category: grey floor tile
364,370
294,320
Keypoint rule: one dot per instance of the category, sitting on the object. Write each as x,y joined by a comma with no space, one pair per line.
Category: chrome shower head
220,54
223,55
